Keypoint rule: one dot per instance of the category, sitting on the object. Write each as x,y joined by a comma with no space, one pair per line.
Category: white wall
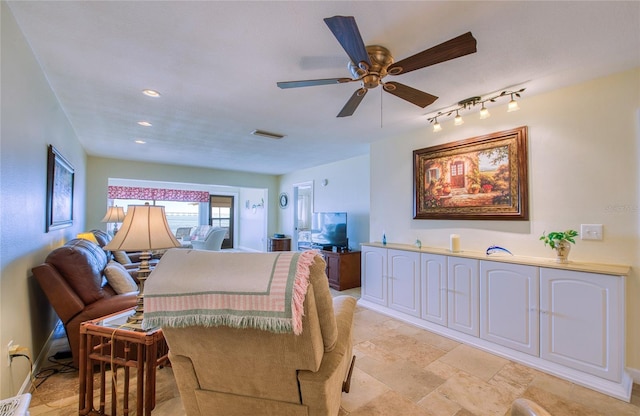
584,147
347,191
252,223
31,120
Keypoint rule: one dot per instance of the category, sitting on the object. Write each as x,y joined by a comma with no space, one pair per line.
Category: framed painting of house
60,175
482,178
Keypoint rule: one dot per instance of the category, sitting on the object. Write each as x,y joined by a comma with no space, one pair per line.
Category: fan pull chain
381,95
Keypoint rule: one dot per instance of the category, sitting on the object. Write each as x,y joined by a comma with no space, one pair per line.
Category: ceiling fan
371,64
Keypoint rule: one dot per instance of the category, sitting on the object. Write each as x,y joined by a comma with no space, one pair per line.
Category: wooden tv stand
343,269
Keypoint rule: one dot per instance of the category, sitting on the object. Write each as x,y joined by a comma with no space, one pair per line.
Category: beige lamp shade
88,236
114,214
144,227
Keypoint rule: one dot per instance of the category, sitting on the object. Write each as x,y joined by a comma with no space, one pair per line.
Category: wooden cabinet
404,281
568,320
582,321
343,269
433,279
509,301
463,295
279,244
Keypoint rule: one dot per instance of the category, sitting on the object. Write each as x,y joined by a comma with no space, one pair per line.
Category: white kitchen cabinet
582,321
509,299
463,295
433,279
374,275
564,319
403,268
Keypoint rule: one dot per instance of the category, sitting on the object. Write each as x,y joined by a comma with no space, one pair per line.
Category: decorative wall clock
284,200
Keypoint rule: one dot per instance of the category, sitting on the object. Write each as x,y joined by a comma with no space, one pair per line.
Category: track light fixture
469,103
436,125
458,119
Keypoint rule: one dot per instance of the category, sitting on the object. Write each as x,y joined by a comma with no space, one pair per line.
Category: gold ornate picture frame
481,178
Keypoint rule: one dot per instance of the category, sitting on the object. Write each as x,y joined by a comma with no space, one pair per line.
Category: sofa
234,370
81,284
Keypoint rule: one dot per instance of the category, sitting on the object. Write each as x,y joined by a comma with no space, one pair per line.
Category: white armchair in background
213,240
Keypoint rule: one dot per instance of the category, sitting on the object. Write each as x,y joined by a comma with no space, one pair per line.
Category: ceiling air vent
267,134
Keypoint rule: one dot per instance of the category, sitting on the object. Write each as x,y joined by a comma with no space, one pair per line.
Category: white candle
455,243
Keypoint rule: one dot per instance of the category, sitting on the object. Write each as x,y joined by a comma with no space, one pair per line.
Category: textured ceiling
216,65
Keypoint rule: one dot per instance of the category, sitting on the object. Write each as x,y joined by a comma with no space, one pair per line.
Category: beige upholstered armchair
227,371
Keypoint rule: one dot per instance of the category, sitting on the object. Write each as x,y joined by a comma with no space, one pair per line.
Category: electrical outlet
591,231
9,347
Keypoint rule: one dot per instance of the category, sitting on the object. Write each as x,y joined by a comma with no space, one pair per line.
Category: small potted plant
560,241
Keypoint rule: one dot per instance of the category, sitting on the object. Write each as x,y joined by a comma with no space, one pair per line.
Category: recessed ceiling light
145,123
140,141
151,93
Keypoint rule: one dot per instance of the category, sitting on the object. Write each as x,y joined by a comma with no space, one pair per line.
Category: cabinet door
582,321
333,269
374,275
509,305
404,281
463,296
433,271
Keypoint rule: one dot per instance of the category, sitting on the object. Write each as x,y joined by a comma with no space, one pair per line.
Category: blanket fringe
271,324
300,286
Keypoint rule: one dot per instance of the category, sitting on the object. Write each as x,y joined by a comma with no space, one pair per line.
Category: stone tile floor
403,370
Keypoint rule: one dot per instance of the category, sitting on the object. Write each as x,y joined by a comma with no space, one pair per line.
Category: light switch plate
591,231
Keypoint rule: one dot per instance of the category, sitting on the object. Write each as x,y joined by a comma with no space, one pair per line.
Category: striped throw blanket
241,290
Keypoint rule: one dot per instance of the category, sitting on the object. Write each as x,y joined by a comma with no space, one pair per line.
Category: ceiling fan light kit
369,65
470,103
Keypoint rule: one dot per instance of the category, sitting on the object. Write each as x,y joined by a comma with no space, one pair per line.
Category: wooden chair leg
346,385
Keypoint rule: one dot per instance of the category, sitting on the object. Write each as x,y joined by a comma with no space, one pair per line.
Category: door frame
296,193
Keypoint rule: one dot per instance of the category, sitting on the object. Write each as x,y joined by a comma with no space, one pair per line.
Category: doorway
221,214
302,210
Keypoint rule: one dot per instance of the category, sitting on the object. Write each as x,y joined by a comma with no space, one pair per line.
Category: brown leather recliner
72,279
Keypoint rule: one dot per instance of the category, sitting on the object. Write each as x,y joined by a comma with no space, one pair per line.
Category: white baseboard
41,360
635,374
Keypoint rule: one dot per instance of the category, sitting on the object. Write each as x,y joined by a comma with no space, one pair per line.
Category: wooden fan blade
414,96
312,82
451,49
345,29
353,103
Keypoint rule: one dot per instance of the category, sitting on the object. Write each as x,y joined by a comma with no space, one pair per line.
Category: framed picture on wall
481,178
60,176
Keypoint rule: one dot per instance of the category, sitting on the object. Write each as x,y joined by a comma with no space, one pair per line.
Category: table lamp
114,215
144,228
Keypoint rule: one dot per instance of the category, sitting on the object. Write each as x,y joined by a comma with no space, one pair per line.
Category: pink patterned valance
149,194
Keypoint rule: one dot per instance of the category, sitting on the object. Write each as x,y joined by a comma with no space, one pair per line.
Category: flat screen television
329,229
